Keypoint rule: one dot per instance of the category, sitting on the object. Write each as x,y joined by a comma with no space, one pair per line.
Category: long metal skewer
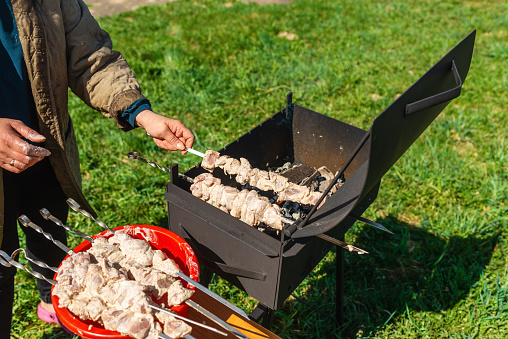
75,206
188,320
334,241
193,151
371,223
136,156
217,320
7,261
23,219
48,216
36,262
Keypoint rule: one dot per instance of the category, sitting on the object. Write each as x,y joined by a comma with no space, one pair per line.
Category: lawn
224,67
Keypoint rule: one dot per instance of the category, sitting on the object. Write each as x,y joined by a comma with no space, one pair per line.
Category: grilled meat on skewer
245,205
264,180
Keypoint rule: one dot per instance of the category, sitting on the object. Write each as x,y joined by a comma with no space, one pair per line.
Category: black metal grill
270,268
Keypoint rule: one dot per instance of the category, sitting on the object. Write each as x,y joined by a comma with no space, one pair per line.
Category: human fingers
18,166
11,142
27,132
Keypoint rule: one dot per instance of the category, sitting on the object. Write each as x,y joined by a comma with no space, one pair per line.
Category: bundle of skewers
123,284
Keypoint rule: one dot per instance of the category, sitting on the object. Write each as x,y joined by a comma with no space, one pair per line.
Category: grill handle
437,99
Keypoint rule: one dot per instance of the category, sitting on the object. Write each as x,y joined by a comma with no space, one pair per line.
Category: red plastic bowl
161,239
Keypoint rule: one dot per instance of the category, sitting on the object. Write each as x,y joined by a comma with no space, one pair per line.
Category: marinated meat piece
130,295
156,282
281,183
177,294
294,193
221,161
94,278
215,194
228,196
209,160
254,177
164,264
172,326
135,249
272,217
132,324
238,202
265,184
242,176
312,198
232,166
196,189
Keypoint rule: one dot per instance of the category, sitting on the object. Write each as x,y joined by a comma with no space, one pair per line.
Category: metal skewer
8,261
371,223
334,241
23,219
77,208
136,156
48,216
199,154
188,320
36,262
218,320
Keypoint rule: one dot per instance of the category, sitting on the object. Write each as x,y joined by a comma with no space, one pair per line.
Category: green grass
222,70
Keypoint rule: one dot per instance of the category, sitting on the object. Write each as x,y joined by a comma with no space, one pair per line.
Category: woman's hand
16,154
167,133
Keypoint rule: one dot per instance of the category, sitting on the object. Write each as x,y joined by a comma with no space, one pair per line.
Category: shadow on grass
410,270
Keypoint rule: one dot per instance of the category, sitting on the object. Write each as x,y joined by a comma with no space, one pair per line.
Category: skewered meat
112,283
136,325
246,205
264,180
172,325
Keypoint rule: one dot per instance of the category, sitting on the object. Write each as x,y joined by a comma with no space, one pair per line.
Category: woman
47,47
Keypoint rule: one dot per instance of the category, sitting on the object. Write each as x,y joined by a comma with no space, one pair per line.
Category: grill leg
339,285
205,276
265,312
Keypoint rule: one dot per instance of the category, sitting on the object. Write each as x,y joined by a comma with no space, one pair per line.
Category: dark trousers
27,193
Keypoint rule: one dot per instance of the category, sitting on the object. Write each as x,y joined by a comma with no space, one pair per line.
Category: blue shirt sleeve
130,114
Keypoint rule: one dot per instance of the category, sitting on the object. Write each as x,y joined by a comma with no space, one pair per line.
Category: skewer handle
48,216
7,261
160,309
77,208
23,219
37,262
